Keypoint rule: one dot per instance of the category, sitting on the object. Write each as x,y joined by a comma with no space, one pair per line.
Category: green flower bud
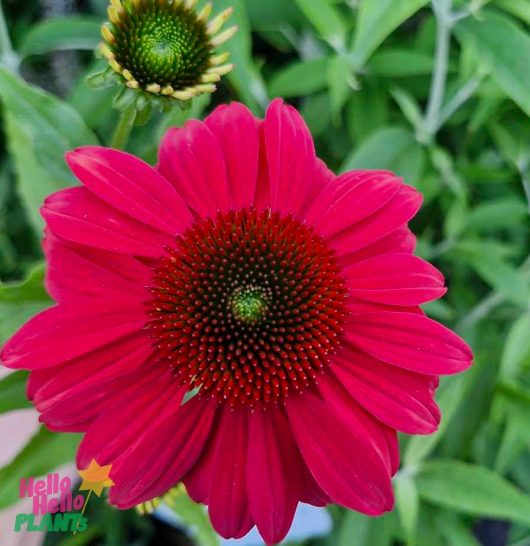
165,47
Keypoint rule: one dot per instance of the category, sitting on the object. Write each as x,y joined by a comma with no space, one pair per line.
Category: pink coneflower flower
239,319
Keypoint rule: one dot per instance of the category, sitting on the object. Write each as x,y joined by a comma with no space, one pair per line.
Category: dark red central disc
248,307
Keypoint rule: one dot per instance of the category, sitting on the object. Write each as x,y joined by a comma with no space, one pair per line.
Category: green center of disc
249,304
163,44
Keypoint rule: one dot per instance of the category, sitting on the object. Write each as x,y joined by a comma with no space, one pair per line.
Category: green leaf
503,48
473,490
20,301
40,129
500,275
390,148
407,503
517,347
400,62
77,32
195,516
517,8
498,213
341,82
245,77
45,452
326,19
13,392
300,78
375,21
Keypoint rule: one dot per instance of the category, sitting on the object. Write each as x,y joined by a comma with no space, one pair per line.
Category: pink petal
339,457
395,279
399,398
71,395
357,418
191,158
351,198
76,272
262,198
236,131
290,156
67,331
78,215
145,401
410,341
273,474
131,186
228,502
397,212
165,454
322,177
400,241
198,480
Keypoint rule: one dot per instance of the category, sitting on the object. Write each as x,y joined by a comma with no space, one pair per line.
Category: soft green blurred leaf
517,347
246,77
45,452
195,516
340,82
326,19
13,391
518,8
393,62
500,275
300,78
504,49
40,129
20,301
391,148
375,21
473,490
407,503
79,32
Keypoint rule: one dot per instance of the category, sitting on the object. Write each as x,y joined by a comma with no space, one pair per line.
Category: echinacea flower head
237,319
165,47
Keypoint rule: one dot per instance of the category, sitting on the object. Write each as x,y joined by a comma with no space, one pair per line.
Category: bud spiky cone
166,49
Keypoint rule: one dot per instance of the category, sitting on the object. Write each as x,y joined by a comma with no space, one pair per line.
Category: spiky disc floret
248,307
165,47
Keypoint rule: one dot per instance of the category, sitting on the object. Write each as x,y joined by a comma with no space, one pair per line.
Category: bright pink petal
67,331
236,130
395,279
399,398
357,418
191,158
339,457
400,241
262,198
273,474
290,156
76,272
78,215
351,198
166,453
393,215
147,400
70,396
228,502
410,341
131,186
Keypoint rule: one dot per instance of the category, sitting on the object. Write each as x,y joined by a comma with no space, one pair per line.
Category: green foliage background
438,92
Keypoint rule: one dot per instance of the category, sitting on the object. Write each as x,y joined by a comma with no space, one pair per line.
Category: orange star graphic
95,478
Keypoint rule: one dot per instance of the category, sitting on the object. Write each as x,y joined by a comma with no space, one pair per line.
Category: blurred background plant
438,92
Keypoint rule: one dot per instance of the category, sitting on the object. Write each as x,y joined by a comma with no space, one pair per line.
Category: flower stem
124,128
442,11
